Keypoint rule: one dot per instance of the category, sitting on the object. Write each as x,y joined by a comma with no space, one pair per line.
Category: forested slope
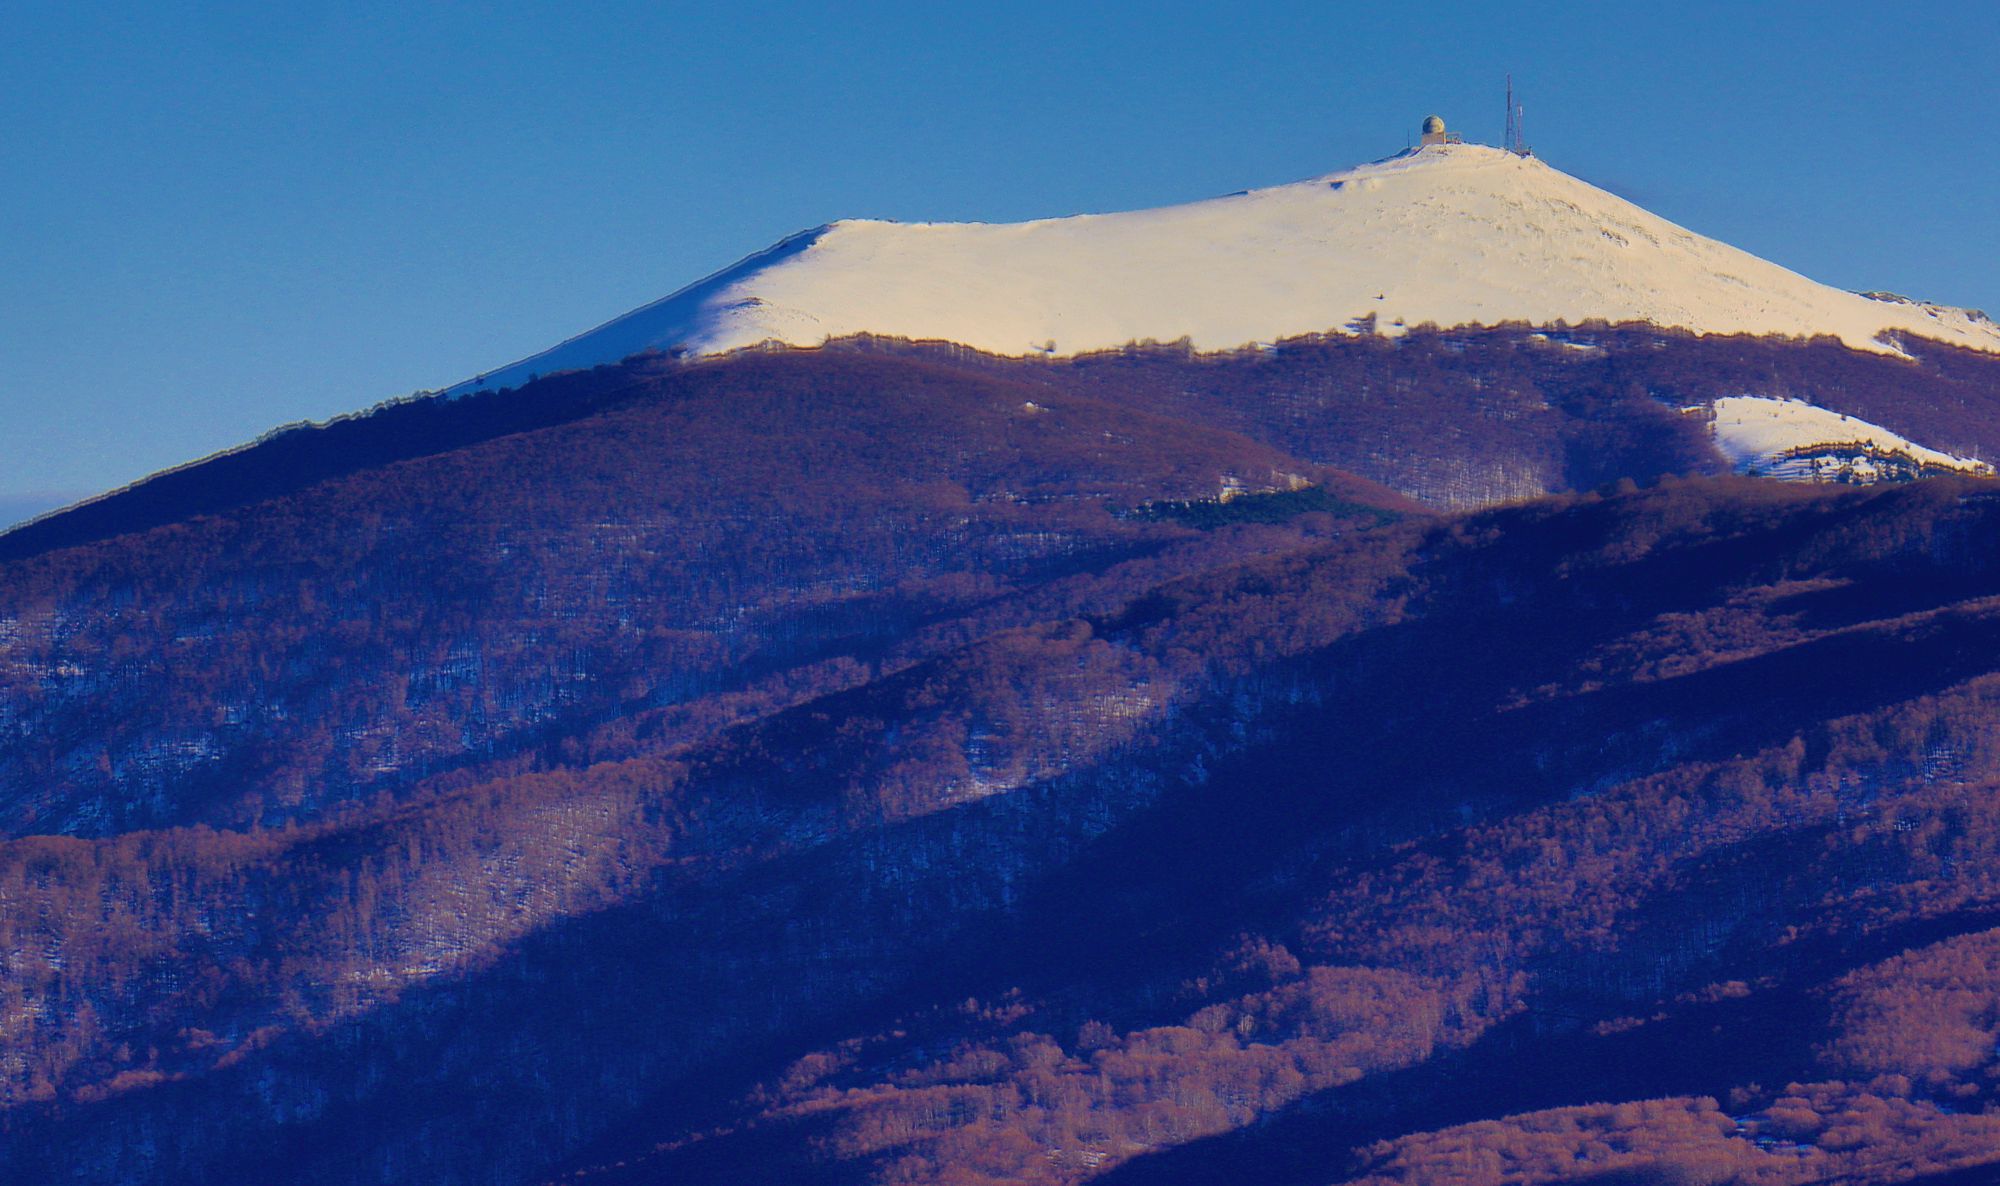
886,764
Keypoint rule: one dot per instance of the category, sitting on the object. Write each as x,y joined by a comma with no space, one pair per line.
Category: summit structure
1434,133
1448,234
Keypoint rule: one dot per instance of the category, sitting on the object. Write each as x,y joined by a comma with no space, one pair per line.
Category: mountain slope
342,612
896,764
1449,235
1362,834
1456,419
1600,814
708,529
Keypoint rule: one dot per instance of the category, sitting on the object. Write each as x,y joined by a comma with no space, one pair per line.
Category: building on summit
1434,133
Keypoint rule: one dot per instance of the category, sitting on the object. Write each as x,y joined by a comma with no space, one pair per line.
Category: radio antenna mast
1515,142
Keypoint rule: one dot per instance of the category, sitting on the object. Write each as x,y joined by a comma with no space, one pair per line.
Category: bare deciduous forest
1386,761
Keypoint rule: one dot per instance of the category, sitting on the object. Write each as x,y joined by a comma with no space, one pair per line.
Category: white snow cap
1457,234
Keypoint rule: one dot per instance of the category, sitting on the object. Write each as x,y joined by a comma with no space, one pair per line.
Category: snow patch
1567,344
1797,441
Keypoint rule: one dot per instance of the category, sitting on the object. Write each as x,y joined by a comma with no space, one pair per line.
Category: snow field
1448,235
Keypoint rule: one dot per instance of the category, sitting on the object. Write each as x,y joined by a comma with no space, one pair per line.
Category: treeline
1465,417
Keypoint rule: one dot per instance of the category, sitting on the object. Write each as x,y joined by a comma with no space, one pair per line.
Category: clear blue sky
220,217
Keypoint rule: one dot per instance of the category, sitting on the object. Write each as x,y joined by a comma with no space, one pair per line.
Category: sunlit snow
1788,438
1449,235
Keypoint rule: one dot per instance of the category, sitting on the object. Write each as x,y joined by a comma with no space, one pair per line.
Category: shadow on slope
1100,889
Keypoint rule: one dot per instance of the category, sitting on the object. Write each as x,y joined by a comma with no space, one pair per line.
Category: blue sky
220,217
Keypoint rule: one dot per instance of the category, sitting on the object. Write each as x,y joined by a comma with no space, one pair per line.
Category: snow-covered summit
1455,234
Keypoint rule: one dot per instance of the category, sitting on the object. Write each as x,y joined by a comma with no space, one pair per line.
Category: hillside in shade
1455,420
1445,235
898,764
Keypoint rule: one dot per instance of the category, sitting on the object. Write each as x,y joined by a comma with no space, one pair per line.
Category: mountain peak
1447,233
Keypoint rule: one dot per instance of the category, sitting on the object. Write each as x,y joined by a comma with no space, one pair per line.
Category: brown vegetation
827,767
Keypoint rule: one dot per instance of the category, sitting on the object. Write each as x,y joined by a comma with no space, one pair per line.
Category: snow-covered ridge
1798,441
1451,235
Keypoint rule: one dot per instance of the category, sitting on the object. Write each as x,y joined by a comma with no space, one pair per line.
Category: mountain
1454,419
1447,235
1439,755
543,812
1454,236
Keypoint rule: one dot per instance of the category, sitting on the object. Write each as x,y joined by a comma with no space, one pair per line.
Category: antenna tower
1515,142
